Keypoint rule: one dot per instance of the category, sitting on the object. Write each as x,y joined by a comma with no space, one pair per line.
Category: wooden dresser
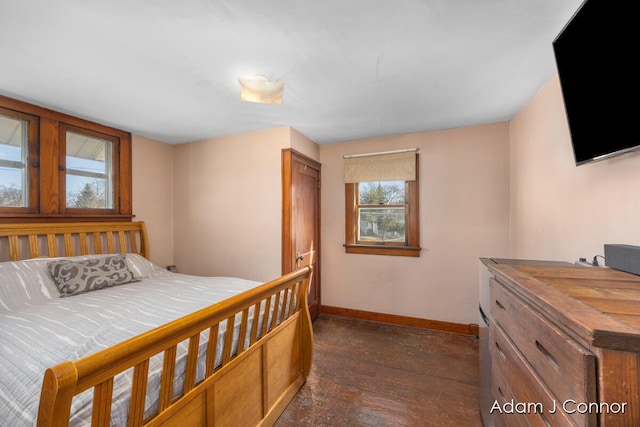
565,346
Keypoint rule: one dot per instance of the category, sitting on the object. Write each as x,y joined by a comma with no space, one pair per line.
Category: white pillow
26,281
142,268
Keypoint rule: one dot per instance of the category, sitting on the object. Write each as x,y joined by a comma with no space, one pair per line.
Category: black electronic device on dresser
623,258
484,310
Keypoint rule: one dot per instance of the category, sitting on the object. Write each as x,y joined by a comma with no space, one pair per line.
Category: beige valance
395,166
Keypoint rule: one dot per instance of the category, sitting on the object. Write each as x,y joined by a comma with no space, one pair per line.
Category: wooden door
301,219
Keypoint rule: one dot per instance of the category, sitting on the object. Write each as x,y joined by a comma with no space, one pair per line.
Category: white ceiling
168,69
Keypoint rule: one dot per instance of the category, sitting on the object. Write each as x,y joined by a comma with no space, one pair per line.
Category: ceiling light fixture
260,89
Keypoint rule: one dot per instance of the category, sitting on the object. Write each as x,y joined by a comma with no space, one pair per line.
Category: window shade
381,167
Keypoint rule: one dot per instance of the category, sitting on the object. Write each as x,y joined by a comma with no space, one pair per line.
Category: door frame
290,155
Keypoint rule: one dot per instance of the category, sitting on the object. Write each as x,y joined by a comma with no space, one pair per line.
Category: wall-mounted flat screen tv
594,54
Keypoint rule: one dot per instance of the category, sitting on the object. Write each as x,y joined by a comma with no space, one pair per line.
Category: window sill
11,217
410,251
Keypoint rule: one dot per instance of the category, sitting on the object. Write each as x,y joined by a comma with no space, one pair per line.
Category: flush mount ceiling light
260,89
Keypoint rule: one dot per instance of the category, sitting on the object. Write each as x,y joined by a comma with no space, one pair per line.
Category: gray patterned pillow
77,277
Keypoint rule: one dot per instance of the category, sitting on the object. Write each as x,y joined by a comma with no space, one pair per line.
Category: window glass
14,174
381,211
89,172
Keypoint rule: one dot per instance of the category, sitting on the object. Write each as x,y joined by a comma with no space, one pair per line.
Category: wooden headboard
33,240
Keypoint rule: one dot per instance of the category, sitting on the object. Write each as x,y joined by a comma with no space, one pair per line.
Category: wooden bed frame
249,388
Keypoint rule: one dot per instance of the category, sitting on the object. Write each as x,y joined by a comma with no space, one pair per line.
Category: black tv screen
594,54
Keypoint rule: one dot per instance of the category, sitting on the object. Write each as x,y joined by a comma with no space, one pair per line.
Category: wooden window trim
412,224
51,203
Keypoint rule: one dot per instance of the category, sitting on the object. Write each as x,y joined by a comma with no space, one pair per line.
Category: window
55,167
380,209
88,170
18,164
381,200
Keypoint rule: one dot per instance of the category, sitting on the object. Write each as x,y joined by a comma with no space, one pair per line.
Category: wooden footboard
251,386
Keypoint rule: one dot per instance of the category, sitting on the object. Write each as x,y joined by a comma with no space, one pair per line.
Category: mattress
39,330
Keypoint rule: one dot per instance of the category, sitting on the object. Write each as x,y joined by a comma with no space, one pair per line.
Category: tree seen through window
381,211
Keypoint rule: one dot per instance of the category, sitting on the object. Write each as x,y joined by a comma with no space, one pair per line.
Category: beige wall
213,207
506,189
304,145
464,215
221,197
561,211
153,195
228,204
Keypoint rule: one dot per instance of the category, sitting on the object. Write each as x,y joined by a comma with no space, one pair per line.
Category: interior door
301,220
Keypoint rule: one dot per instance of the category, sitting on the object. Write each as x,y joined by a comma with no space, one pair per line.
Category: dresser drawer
565,367
502,394
529,396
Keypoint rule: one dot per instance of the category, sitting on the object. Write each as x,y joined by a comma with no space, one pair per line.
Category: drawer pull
500,306
547,355
500,352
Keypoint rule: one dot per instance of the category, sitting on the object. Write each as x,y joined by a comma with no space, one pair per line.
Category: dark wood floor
374,374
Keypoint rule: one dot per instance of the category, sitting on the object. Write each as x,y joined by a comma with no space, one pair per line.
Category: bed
165,349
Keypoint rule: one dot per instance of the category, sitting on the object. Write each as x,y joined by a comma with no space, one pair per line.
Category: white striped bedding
39,330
